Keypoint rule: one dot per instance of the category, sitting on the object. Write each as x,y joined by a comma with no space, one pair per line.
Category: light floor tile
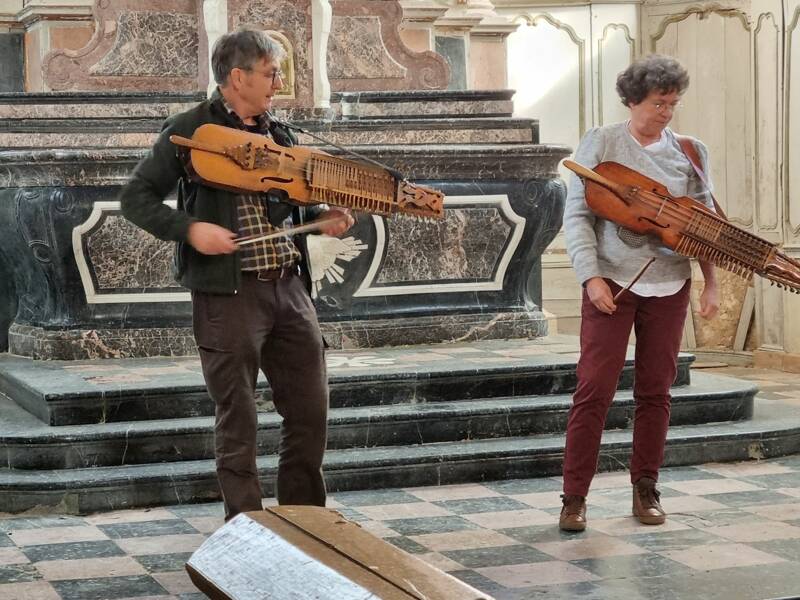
746,469
163,544
793,492
175,582
539,499
463,540
544,573
603,481
452,492
590,547
721,556
129,516
407,510
702,487
510,518
689,504
759,531
776,512
56,535
631,525
12,556
206,524
440,561
33,590
377,528
89,568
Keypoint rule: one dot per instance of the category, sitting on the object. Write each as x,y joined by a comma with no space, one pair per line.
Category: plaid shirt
253,220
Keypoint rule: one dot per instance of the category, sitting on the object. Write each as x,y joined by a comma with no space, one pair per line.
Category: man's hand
600,295
337,227
709,300
208,238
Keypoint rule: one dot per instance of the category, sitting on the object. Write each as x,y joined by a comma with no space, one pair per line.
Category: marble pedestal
86,283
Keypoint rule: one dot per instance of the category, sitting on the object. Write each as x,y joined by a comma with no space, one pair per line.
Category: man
250,307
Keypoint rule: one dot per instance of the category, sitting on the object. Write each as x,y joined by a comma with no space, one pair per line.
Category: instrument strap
690,150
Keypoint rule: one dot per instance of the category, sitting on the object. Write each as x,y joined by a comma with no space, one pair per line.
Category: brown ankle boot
646,506
573,513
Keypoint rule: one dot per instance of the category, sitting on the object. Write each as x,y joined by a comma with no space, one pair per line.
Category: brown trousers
271,325
658,323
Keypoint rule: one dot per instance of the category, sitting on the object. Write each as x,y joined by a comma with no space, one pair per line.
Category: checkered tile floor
733,533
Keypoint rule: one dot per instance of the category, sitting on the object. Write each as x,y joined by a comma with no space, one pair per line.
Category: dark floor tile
72,551
518,554
779,580
429,525
632,566
18,573
583,590
406,544
164,563
539,534
108,588
789,461
524,486
192,597
40,522
776,480
753,498
375,498
673,540
686,474
183,511
118,531
788,549
479,582
481,505
5,541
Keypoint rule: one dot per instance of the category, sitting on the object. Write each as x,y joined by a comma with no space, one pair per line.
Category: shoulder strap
690,150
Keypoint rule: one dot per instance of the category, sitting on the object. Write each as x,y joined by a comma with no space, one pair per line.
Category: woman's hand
341,219
709,300
600,295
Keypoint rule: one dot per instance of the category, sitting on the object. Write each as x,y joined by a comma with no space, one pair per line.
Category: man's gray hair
242,49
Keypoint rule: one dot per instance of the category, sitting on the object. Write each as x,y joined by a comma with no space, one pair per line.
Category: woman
606,257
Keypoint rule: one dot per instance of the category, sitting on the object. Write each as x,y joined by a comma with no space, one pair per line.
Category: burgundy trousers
272,326
658,324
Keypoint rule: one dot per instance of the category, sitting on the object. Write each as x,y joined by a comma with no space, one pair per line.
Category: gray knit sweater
595,245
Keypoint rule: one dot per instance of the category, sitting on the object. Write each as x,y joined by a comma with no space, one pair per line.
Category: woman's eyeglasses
663,106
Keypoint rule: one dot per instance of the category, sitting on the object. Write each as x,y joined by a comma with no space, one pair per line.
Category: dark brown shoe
646,505
573,513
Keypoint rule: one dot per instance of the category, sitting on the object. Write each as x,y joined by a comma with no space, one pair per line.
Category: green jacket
142,200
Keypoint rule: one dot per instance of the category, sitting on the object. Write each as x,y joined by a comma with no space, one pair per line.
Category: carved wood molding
136,45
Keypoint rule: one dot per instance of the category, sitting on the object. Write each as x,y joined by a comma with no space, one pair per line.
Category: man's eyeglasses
663,106
274,76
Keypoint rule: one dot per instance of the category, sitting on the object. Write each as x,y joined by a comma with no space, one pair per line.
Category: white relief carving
323,252
499,201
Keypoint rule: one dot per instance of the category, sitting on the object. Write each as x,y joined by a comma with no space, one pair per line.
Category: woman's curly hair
651,73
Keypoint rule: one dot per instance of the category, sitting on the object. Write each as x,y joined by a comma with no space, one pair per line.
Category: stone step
140,131
774,431
418,103
101,391
27,443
